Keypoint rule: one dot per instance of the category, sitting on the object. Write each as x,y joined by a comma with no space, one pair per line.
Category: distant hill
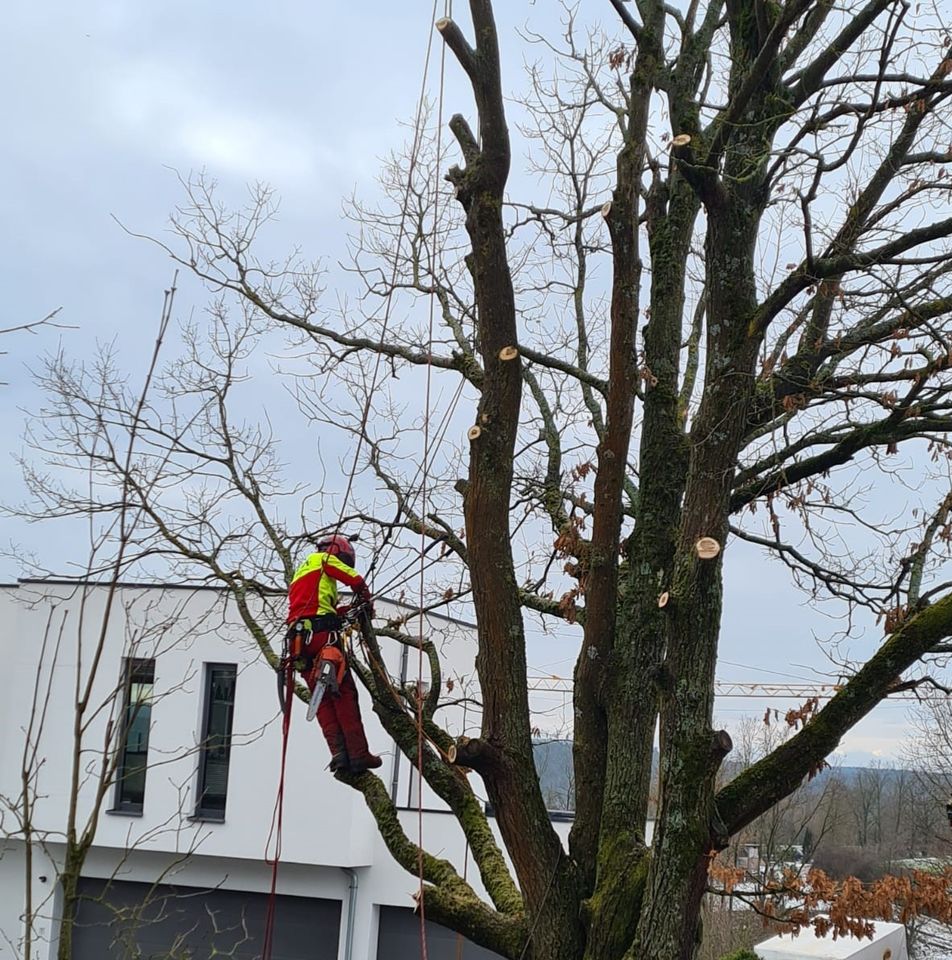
553,760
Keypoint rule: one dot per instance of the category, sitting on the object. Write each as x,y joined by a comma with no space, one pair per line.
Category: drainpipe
395,778
351,912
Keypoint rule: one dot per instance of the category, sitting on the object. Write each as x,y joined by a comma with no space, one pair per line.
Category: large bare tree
727,318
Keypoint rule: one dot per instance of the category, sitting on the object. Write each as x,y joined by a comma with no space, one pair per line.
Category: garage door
138,921
399,939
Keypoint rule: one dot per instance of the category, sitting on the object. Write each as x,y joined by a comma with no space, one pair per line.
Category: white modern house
182,835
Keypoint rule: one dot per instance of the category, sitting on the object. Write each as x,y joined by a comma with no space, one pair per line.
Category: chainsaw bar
320,688
282,677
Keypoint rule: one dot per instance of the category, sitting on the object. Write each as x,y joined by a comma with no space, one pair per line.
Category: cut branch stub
469,753
455,40
606,209
664,599
454,749
721,744
473,432
707,548
508,353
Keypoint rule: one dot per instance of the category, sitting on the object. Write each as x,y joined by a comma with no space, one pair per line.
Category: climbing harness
294,652
332,660
328,667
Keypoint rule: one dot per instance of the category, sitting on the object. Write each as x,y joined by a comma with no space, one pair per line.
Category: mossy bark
690,756
546,877
596,750
613,898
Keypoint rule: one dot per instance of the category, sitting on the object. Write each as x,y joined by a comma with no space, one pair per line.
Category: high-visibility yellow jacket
313,589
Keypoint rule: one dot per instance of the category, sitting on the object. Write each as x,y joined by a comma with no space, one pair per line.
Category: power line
755,691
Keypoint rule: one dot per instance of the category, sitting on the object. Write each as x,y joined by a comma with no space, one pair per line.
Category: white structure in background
888,943
190,821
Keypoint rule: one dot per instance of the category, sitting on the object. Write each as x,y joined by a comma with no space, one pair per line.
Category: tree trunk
69,885
691,752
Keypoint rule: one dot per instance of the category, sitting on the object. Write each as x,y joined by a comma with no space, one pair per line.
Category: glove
366,598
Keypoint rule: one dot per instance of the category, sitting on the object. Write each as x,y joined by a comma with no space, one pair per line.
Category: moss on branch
448,898
778,774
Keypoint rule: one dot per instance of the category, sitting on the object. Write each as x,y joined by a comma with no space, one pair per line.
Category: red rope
424,493
277,816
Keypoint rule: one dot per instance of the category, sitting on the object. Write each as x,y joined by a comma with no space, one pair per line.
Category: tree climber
313,597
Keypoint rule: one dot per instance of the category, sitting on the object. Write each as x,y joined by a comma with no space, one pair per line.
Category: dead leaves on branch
795,717
893,618
850,904
801,715
620,57
816,769
570,544
791,901
581,471
567,606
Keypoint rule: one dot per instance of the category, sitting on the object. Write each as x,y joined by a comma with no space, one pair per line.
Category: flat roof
215,588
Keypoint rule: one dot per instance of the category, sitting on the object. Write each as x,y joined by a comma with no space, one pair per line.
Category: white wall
184,629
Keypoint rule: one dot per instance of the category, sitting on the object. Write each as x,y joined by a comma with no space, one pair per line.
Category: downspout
395,777
351,912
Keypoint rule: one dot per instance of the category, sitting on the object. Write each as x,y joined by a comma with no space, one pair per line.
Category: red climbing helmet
338,546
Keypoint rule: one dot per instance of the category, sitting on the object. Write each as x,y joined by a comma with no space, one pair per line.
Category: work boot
364,762
339,758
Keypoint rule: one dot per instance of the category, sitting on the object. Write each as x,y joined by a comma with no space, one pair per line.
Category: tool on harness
331,662
294,653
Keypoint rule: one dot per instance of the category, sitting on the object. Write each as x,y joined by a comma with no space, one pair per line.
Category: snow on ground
931,941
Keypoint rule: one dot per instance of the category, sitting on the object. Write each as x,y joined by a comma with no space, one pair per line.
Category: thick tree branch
448,783
892,429
513,788
554,363
448,898
454,39
808,80
806,275
779,773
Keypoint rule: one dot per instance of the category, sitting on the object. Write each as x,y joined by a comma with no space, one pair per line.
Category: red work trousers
338,714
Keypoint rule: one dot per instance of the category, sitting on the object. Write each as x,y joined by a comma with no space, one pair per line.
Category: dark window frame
134,671
203,810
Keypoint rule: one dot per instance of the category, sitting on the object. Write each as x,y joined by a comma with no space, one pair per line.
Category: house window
216,740
134,749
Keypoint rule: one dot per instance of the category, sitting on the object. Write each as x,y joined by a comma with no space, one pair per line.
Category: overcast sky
107,100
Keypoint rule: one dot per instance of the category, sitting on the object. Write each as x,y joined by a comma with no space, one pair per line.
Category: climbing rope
401,233
277,815
382,555
424,491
